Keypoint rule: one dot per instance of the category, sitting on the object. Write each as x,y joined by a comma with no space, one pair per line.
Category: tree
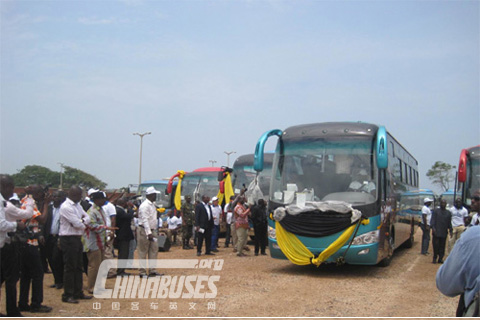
441,174
73,176
34,174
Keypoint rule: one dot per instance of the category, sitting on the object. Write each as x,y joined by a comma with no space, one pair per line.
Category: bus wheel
409,242
391,247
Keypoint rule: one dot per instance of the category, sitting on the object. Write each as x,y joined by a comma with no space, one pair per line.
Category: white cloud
97,21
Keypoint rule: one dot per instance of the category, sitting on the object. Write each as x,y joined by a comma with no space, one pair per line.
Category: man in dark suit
204,225
124,232
50,233
441,224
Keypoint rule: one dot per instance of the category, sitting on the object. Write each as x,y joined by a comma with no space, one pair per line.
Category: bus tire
411,239
391,247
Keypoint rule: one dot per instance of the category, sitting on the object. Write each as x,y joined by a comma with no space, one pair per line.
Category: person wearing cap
95,237
87,202
147,231
425,225
216,213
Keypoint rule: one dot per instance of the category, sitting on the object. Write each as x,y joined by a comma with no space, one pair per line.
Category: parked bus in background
411,204
469,174
335,191
202,181
209,181
449,196
244,174
164,200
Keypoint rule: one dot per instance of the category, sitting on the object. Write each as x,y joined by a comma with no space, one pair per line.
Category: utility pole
141,135
228,156
212,162
61,175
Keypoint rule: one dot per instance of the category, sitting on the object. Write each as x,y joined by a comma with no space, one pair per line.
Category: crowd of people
446,224
71,233
460,272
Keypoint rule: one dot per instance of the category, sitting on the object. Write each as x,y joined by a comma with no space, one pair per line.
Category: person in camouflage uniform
188,220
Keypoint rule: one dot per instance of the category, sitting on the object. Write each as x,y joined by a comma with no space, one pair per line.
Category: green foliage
36,175
73,176
40,175
441,174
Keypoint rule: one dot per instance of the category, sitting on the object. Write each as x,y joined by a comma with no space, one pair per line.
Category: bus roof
418,192
474,152
207,169
324,129
450,192
165,181
247,159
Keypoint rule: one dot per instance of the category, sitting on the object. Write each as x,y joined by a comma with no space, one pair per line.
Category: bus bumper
361,255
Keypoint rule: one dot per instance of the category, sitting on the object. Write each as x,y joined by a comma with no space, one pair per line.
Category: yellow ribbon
178,192
228,189
296,251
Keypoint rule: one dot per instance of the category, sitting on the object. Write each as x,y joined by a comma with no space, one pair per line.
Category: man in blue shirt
460,274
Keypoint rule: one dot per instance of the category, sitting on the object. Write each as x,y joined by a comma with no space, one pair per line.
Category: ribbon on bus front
227,189
299,254
178,194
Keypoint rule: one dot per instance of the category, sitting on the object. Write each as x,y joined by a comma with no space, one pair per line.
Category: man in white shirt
230,224
172,223
459,213
73,221
111,214
216,213
147,231
10,272
425,225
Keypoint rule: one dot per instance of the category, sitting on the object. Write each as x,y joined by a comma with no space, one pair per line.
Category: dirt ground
259,286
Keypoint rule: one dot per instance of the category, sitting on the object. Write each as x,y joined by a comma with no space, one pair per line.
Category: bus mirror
381,148
259,149
462,166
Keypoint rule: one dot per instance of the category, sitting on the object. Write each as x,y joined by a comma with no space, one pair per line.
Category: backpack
472,310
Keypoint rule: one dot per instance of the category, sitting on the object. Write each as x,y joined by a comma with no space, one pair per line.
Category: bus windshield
412,202
163,200
321,170
197,184
473,186
244,175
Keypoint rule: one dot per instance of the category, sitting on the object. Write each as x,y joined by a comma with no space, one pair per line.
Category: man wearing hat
96,237
425,225
147,231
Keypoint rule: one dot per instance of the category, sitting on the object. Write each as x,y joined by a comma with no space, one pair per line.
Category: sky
78,78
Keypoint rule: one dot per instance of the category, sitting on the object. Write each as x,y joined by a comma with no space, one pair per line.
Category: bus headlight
367,238
272,233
